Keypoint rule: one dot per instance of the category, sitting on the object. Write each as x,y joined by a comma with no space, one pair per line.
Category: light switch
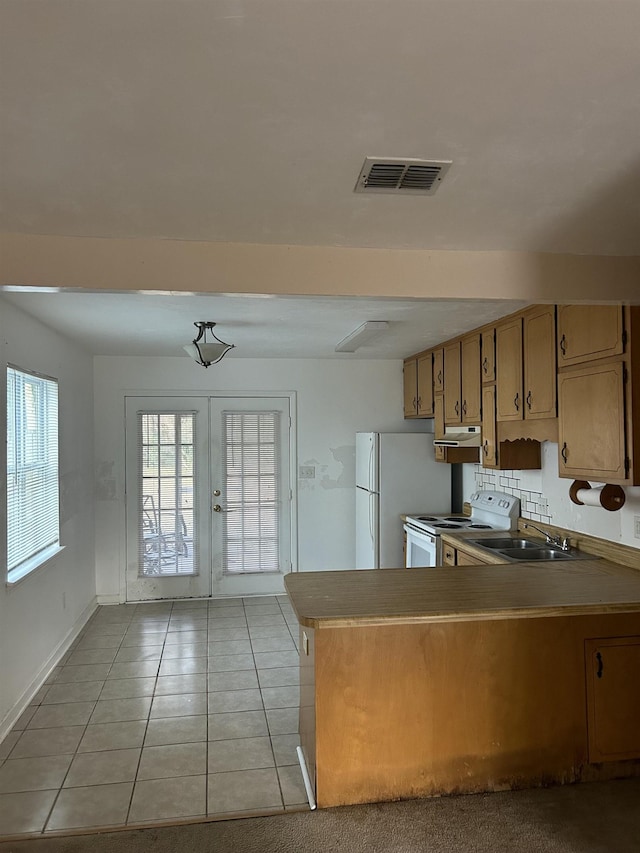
305,643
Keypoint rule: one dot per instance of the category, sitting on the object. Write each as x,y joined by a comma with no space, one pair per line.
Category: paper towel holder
609,497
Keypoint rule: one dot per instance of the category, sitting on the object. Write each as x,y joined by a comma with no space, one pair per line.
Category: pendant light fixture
206,352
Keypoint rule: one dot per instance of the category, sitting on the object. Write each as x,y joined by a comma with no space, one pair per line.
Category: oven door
422,548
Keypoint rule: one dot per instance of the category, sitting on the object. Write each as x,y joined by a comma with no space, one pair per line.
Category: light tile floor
160,711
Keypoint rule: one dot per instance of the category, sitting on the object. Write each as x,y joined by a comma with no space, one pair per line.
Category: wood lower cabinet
465,558
613,698
591,430
422,709
588,332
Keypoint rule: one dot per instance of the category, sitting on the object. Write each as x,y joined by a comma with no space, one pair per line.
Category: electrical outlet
543,505
636,526
306,472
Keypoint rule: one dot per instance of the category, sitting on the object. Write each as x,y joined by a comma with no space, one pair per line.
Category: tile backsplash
533,504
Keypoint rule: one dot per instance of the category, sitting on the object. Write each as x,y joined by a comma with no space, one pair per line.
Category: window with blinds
33,518
252,475
166,512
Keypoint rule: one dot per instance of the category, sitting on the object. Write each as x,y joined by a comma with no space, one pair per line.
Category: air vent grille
391,175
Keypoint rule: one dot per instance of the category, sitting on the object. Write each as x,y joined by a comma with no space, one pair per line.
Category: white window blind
252,474
167,515
33,523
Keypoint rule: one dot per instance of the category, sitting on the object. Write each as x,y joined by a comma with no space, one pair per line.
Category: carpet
598,817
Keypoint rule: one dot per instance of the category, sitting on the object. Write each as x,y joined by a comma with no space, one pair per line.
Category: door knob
216,493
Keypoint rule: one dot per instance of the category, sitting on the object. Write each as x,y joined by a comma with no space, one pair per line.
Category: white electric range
489,511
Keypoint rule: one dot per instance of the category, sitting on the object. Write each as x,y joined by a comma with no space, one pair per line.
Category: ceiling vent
397,175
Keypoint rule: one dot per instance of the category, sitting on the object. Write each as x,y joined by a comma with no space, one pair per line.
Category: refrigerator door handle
371,485
371,520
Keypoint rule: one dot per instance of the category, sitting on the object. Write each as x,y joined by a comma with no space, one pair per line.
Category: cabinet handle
485,365
516,401
485,447
564,452
457,407
418,403
439,377
563,345
464,407
600,665
529,399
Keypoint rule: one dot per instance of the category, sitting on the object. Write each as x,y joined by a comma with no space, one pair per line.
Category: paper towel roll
608,497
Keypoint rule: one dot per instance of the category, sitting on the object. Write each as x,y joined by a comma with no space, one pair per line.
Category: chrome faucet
557,541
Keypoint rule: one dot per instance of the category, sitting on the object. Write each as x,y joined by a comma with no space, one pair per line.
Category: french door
208,496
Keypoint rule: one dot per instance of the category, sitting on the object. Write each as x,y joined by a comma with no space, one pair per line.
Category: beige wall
116,264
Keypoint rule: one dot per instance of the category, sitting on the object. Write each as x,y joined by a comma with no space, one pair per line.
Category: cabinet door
613,698
470,356
448,555
509,403
463,558
452,384
591,423
540,363
587,332
410,375
438,371
489,355
438,417
489,454
425,386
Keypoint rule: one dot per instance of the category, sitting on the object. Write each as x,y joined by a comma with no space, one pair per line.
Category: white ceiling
248,121
260,327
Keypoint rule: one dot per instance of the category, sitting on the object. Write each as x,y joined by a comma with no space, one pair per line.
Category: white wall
38,614
545,497
335,399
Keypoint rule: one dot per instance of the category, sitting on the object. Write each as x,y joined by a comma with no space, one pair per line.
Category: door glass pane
251,463
167,522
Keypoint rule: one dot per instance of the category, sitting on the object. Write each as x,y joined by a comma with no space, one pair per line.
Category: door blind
167,519
252,474
33,523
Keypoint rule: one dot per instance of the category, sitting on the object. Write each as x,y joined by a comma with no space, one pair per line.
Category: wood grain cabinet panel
591,425
452,384
539,341
613,698
488,364
438,371
410,380
509,371
425,386
588,332
470,376
489,450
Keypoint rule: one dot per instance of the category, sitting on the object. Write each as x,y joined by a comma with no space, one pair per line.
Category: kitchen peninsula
435,681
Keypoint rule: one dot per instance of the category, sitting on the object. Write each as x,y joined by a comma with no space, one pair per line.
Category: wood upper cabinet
509,370
452,384
425,386
418,387
591,426
438,371
410,381
489,449
588,332
488,364
539,342
613,698
462,403
470,358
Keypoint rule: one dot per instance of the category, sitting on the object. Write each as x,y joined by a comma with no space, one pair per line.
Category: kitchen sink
517,549
537,554
505,542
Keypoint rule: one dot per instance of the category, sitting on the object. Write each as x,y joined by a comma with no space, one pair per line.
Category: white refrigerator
396,474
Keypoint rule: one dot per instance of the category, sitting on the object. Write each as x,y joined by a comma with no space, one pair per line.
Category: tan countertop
463,593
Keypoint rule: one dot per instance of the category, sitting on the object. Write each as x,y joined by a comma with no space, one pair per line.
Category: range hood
460,436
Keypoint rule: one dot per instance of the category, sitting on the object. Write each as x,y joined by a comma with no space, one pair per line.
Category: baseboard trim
52,661
108,599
